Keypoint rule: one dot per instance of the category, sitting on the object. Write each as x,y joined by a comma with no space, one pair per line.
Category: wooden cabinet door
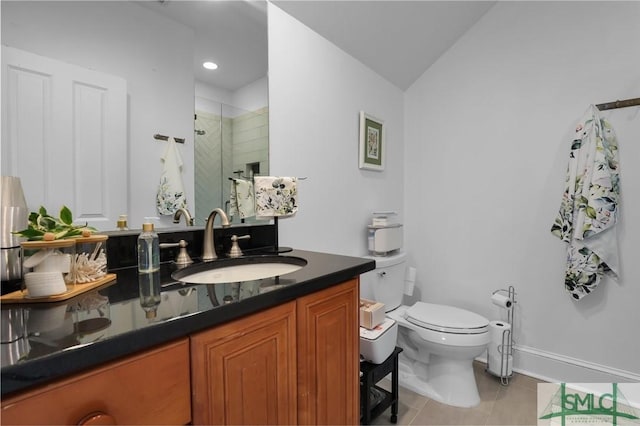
328,356
148,388
244,372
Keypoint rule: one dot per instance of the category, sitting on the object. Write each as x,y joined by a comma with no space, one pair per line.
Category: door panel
64,133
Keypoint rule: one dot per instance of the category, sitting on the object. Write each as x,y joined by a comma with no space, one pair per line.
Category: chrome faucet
208,245
187,216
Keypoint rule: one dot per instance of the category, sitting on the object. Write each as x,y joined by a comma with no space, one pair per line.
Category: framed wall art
372,143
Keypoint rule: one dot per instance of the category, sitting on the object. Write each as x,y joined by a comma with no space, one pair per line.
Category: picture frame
372,153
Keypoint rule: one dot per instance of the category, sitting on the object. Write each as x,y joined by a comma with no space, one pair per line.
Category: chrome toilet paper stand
506,347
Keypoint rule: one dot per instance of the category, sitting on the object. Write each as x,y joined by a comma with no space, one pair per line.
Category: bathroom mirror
231,104
158,48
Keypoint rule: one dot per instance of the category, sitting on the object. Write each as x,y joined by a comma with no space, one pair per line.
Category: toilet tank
385,283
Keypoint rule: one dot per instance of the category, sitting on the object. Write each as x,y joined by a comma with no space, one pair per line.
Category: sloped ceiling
397,39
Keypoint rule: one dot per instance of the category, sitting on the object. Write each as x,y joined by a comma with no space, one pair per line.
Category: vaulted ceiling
397,39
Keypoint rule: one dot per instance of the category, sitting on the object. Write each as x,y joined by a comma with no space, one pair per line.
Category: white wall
209,98
315,94
251,97
487,140
144,48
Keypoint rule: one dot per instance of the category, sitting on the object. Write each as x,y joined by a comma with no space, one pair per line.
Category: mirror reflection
230,142
157,49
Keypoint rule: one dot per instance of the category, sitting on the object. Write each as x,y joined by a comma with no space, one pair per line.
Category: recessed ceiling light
210,65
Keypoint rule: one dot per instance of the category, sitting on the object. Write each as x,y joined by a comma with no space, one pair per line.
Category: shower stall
229,143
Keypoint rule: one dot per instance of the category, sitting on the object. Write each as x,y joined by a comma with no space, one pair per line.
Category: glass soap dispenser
148,250
149,293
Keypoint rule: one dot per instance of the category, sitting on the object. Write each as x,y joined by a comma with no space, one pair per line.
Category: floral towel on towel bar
589,208
275,196
170,196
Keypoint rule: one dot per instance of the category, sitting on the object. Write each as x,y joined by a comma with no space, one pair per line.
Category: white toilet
439,342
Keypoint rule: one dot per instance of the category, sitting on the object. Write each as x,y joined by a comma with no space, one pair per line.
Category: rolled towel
275,196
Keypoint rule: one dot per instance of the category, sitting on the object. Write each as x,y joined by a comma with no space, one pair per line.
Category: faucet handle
183,257
235,248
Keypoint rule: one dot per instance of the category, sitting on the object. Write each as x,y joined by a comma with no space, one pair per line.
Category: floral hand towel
171,196
589,208
275,196
242,199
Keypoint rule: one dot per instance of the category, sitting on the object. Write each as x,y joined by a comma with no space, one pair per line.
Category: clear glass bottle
149,288
148,250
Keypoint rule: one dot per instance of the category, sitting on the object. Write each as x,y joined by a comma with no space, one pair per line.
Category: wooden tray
20,296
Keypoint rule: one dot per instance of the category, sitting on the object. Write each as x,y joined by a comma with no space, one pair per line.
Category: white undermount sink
238,270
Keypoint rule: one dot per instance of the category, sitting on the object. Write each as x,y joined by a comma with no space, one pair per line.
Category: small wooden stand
22,296
372,374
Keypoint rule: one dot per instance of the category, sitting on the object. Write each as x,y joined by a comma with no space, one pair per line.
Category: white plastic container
384,239
377,344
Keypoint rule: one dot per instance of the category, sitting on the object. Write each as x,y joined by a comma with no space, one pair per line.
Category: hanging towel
242,199
275,196
233,199
171,196
589,208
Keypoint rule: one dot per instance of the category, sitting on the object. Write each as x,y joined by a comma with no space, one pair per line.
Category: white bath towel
171,194
589,209
275,196
242,199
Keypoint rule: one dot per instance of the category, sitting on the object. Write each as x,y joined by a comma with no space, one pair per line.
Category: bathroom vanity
280,350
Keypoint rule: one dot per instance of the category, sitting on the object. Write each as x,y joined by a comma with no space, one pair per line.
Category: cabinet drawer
152,387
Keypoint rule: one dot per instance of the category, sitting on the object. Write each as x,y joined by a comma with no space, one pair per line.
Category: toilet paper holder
506,299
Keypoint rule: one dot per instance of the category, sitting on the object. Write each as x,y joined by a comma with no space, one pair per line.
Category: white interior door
64,133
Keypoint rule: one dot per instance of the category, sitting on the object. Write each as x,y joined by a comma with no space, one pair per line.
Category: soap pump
122,223
148,249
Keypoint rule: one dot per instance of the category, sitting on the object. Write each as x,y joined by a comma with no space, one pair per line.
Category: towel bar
160,137
619,104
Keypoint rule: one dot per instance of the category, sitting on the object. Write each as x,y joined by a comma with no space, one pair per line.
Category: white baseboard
556,368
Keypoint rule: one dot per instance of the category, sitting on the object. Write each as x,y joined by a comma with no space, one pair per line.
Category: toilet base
450,382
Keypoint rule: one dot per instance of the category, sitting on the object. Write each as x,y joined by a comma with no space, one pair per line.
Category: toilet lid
446,319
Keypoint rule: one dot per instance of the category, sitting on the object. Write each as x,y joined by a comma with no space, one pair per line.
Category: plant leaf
65,215
48,223
30,233
42,222
33,218
62,234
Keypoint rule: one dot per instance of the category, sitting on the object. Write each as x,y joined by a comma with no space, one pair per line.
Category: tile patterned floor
514,404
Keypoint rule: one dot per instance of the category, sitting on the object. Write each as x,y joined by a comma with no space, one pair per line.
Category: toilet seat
446,319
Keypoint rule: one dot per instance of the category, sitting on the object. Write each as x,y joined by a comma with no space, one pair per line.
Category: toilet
439,342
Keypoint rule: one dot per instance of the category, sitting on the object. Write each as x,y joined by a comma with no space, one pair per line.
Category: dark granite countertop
42,342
